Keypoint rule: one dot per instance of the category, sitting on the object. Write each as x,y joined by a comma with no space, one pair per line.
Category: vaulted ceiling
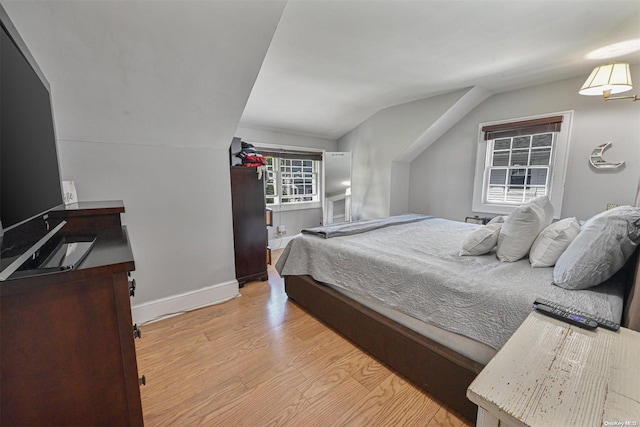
332,64
177,72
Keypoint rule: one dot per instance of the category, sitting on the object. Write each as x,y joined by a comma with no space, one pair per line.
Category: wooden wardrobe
249,224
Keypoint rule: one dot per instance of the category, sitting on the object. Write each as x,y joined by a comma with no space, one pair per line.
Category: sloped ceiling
333,64
178,72
169,73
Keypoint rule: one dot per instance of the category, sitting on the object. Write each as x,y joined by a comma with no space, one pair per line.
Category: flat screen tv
30,182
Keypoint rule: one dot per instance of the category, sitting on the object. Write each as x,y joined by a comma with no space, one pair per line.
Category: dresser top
90,208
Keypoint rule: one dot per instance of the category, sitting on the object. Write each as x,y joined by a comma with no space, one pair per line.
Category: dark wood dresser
67,354
249,224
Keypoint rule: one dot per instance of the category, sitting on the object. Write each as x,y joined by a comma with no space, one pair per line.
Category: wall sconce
609,79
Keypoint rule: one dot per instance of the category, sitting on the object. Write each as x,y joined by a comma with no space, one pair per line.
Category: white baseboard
280,243
177,304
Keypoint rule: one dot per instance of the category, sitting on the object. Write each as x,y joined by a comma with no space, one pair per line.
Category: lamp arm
606,96
634,97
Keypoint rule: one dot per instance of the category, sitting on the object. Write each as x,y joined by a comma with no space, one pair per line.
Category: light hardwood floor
260,360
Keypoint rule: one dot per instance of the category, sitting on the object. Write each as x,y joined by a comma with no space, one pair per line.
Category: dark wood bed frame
440,371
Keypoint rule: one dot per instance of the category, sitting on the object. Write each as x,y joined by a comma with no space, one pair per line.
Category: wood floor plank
263,370
445,418
317,386
371,373
327,410
262,404
325,345
200,370
280,335
260,360
374,405
306,327
410,408
196,405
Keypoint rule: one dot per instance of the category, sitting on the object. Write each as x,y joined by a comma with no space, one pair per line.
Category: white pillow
497,220
481,240
604,244
521,228
552,241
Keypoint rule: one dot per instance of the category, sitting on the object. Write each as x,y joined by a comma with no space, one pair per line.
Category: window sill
295,206
504,209
492,209
498,209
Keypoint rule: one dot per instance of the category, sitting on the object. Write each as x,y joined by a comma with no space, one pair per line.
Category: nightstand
551,373
477,219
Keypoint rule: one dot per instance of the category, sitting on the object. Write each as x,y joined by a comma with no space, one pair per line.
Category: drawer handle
137,332
142,380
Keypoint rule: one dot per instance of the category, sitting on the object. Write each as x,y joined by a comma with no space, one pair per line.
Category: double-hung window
292,178
519,168
520,160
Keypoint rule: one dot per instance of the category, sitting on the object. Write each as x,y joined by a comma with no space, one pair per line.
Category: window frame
278,170
517,166
318,171
555,176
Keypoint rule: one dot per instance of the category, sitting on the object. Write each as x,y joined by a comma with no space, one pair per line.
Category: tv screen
29,172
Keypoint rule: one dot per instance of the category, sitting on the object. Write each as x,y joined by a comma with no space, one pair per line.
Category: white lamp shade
614,77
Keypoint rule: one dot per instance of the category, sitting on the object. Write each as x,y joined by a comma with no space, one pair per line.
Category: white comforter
415,268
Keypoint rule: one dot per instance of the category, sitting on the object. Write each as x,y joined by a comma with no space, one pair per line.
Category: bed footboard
438,370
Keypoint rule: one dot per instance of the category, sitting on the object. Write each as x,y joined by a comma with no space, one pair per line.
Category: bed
402,292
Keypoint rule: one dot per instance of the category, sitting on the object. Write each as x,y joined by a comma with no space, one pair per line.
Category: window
520,160
292,178
519,167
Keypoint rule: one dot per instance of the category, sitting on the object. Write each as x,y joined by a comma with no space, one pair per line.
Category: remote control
574,319
604,323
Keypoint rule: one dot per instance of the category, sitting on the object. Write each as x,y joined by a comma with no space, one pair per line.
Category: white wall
147,97
375,144
441,178
293,220
177,210
399,188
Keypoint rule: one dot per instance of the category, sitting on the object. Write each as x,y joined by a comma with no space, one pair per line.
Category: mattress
414,270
